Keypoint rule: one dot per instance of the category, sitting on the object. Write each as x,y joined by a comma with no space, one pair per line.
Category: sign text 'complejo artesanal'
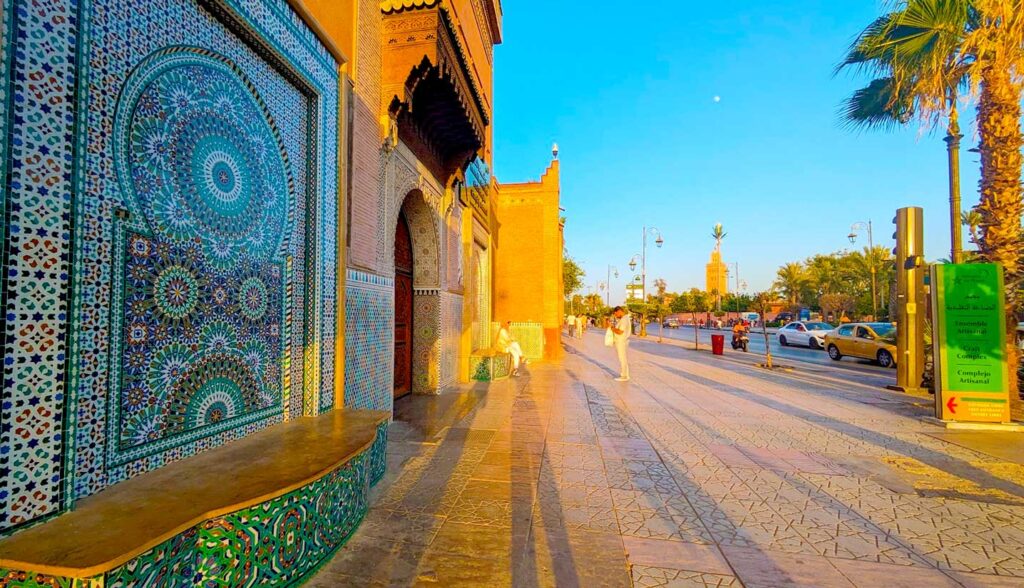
970,339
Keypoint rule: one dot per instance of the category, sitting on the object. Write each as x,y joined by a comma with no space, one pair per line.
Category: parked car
784,317
671,323
874,341
804,333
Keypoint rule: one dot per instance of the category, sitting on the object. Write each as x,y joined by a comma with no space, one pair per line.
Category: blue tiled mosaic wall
39,39
183,335
369,341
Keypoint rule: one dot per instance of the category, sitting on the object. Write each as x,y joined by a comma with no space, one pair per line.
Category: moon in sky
718,98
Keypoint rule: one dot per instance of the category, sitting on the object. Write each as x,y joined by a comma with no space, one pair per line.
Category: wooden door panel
403,310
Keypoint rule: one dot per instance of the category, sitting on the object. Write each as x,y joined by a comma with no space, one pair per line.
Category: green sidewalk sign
970,338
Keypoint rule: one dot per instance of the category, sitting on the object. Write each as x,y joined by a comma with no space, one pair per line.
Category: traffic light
911,305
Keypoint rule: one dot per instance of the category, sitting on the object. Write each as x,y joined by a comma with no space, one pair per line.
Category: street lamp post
643,257
611,269
643,268
736,264
952,140
854,229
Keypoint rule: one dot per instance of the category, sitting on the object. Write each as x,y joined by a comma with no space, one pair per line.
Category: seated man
507,344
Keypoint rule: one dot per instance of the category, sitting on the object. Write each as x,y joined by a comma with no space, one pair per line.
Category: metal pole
871,261
736,298
643,267
643,287
608,300
952,139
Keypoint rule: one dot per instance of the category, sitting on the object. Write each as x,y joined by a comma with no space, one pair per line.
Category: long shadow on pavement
524,483
928,456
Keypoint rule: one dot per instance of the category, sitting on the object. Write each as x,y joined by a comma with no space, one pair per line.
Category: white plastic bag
609,337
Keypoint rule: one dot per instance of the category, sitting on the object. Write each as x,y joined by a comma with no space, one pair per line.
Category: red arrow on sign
951,405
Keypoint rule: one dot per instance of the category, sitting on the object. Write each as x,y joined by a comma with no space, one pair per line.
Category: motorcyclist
738,330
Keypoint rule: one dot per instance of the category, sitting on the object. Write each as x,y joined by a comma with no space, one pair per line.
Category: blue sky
628,94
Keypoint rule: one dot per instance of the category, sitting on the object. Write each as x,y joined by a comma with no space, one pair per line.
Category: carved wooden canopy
430,91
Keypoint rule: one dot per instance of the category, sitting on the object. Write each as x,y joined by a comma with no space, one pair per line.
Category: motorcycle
740,341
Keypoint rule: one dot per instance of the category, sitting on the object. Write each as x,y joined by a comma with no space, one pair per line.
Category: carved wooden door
403,309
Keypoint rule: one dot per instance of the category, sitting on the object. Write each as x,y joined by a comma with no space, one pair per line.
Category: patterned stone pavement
700,472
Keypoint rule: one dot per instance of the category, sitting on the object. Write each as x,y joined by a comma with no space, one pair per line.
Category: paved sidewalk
699,472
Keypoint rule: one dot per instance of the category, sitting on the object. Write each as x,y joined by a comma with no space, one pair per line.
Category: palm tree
791,279
998,44
823,274
660,286
915,52
972,220
931,49
718,233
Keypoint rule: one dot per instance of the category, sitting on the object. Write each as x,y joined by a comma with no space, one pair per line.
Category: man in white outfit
622,328
507,344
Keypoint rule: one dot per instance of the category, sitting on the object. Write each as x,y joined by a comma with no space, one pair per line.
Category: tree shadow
684,486
888,442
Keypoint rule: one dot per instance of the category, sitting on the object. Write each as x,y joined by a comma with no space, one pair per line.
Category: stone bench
268,509
488,365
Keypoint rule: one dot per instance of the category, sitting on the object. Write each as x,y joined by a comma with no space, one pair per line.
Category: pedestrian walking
570,324
581,326
506,343
622,328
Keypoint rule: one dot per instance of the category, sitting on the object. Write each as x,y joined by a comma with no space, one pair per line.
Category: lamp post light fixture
856,228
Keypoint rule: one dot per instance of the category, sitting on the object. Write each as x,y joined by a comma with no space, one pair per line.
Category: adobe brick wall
528,257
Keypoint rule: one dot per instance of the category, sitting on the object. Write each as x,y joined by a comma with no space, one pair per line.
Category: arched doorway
417,312
403,308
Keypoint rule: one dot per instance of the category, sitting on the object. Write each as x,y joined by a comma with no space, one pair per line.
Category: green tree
848,273
791,279
700,303
837,305
656,305
681,303
736,302
572,276
594,304
823,275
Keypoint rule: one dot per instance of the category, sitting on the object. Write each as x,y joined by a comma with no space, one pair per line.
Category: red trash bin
717,344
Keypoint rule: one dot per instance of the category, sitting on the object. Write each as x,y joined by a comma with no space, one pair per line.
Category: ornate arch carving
406,189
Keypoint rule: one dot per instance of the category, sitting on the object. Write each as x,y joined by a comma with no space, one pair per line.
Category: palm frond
860,54
917,54
877,106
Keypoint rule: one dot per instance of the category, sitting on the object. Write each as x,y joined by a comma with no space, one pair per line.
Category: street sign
970,338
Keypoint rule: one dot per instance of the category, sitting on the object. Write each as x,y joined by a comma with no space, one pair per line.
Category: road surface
818,358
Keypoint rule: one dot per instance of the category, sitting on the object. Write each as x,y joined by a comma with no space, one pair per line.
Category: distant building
717,275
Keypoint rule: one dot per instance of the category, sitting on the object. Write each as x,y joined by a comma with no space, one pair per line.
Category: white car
804,333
